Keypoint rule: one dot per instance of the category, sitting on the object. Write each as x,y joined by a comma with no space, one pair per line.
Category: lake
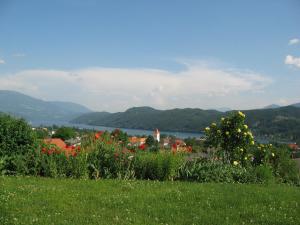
132,132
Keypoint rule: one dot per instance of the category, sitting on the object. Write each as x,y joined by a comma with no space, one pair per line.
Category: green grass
30,200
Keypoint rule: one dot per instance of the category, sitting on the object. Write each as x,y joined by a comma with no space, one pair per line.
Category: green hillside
283,122
33,109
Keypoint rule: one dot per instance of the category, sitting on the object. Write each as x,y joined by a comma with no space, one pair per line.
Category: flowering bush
231,138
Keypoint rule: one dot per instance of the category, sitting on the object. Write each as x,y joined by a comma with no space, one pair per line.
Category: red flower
189,149
174,146
142,147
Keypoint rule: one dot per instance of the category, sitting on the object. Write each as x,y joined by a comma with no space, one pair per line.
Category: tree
16,136
231,138
64,133
150,141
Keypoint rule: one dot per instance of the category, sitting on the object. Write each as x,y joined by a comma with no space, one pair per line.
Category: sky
113,55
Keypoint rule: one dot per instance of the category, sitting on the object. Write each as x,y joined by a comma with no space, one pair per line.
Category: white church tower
157,135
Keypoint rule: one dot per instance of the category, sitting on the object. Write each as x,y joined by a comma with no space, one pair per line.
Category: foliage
120,136
279,159
157,166
232,139
201,170
16,136
64,133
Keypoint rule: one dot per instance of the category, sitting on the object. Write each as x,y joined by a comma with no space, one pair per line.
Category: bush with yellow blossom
231,138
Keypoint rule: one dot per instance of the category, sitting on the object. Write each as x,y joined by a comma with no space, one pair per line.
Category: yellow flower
273,154
222,118
239,130
218,131
246,158
227,132
207,128
241,114
235,163
270,145
213,124
252,142
246,127
245,134
241,150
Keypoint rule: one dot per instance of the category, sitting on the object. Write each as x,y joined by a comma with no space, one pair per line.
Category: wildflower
246,127
239,130
227,133
222,118
252,142
235,163
246,158
213,124
218,131
270,145
130,157
241,150
273,154
207,128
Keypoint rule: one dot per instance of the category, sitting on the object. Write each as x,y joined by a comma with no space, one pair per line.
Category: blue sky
166,54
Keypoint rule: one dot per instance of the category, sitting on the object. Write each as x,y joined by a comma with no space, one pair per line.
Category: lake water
132,132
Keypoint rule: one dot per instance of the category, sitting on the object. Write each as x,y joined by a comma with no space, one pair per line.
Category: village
156,141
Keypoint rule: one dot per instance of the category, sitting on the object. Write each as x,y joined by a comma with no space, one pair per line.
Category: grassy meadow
34,200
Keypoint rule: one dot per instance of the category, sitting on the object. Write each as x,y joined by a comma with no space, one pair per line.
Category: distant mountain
33,109
296,105
283,122
148,118
272,106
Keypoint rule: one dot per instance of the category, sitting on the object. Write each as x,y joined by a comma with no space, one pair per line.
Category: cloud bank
116,89
2,61
291,60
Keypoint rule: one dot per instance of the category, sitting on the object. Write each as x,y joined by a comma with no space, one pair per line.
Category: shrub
202,170
16,136
264,174
157,166
231,138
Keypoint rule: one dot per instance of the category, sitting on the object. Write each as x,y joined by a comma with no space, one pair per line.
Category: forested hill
281,122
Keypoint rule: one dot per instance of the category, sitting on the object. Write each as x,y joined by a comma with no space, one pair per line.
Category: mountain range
33,109
272,121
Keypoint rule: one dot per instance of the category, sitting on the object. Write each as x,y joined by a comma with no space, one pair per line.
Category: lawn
30,200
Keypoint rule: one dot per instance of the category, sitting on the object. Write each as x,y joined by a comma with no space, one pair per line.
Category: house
68,150
136,141
74,141
294,146
56,141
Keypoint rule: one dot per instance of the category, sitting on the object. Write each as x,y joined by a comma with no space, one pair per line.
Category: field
30,200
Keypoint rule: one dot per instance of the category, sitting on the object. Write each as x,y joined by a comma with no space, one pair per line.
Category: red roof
293,146
56,141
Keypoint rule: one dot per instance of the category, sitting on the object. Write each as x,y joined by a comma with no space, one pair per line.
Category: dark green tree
64,133
16,136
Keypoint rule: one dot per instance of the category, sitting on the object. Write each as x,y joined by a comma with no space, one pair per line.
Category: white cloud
116,89
291,60
2,61
294,41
